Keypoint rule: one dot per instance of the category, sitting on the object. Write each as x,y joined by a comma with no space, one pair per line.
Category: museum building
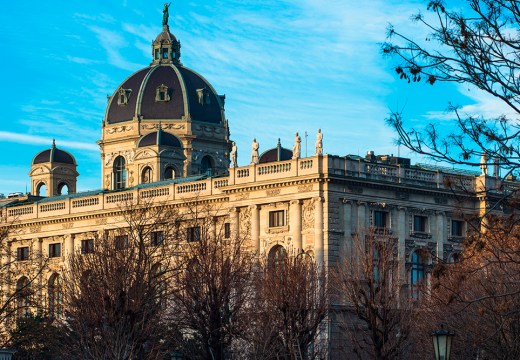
165,136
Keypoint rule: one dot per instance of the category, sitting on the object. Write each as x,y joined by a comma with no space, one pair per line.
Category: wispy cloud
41,140
112,42
80,60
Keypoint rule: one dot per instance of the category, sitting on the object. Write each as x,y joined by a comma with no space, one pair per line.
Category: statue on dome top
165,14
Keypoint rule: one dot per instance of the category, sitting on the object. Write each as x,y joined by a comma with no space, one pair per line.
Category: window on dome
157,53
119,173
162,93
165,53
123,96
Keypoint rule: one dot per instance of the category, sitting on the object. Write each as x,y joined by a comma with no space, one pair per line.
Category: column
401,247
69,245
295,225
234,222
255,227
362,225
318,231
440,234
346,249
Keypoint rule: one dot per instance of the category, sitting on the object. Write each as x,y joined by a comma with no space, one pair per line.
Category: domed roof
54,155
160,138
166,90
278,153
184,93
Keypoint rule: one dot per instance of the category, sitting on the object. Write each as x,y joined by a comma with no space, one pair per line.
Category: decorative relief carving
120,129
273,192
68,225
245,220
163,126
144,154
307,214
107,181
242,196
101,221
35,229
304,188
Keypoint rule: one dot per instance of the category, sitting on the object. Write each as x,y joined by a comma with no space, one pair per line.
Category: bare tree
21,268
478,297
291,304
378,312
117,290
478,47
215,287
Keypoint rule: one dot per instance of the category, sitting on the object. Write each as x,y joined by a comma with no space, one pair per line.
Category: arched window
63,188
41,189
159,284
417,274
23,294
169,173
453,258
119,173
276,255
206,165
55,296
146,176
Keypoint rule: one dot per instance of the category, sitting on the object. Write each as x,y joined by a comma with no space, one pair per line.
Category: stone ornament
233,154
297,146
254,152
319,143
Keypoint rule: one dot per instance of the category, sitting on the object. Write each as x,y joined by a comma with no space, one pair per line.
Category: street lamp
442,343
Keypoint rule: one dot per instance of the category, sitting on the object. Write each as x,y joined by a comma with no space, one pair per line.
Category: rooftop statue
165,14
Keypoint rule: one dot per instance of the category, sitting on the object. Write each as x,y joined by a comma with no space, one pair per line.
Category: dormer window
157,53
162,94
165,53
123,96
203,96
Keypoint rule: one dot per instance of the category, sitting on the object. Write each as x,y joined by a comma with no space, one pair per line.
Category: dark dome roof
160,138
275,154
189,94
54,155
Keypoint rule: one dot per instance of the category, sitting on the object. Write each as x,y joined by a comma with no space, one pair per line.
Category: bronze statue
165,14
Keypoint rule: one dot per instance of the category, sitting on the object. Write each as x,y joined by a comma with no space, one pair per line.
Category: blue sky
284,65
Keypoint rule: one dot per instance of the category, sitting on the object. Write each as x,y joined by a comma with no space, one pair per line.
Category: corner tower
181,109
55,170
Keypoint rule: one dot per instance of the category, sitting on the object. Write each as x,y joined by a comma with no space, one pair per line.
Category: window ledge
278,229
420,235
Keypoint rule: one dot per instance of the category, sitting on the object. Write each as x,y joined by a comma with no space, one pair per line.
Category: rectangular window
193,234
54,250
457,228
121,242
87,246
157,238
157,53
420,223
380,219
165,54
276,218
227,230
22,253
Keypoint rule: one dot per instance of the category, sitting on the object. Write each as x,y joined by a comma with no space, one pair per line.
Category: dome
159,138
54,155
278,153
166,90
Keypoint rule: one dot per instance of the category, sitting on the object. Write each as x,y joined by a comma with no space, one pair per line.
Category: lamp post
442,343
